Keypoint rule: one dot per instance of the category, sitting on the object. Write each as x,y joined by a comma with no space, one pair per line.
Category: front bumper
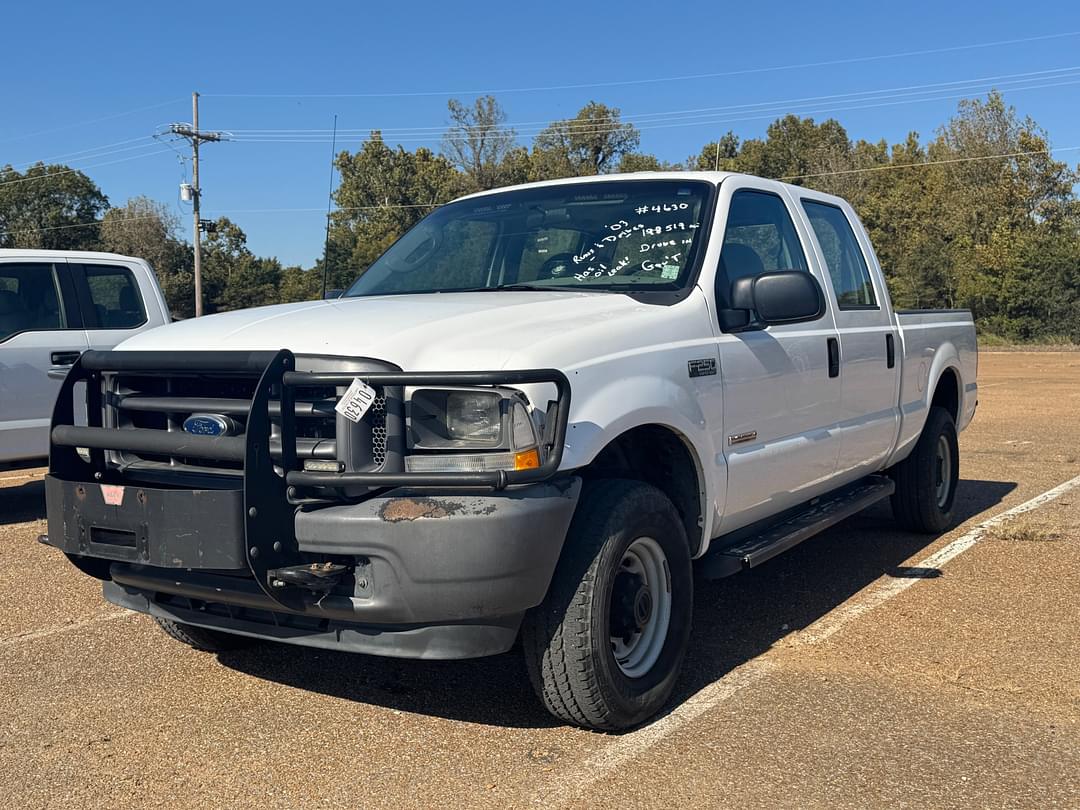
372,557
433,574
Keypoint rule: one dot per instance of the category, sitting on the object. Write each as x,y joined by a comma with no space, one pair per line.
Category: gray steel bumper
438,574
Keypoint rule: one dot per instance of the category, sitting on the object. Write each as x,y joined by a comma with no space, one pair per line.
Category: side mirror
784,296
332,294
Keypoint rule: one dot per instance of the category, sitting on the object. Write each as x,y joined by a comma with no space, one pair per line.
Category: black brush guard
269,498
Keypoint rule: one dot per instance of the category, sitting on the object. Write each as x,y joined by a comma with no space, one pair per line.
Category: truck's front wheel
605,647
203,638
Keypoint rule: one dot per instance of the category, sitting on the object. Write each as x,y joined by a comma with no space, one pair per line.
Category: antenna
329,203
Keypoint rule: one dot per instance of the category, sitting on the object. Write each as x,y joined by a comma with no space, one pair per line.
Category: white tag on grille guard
356,401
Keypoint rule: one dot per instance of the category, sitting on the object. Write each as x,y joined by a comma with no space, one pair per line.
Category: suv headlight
444,421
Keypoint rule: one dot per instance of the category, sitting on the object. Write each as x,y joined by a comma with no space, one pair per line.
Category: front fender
600,415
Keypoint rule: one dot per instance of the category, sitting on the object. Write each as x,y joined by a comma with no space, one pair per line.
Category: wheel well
947,393
659,456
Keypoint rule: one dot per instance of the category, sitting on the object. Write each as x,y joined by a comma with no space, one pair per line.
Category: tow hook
320,577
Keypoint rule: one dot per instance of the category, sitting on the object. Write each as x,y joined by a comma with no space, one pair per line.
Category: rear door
112,304
41,335
780,395
869,341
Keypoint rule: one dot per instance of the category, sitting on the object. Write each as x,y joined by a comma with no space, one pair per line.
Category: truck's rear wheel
926,480
203,638
605,647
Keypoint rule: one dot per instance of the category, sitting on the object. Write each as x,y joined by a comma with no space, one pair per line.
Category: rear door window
29,299
115,302
847,267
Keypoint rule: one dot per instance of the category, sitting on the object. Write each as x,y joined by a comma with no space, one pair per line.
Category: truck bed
933,339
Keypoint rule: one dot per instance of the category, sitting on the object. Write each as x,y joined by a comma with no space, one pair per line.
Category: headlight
474,416
495,421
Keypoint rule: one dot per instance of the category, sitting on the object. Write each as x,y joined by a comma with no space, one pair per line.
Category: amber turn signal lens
527,459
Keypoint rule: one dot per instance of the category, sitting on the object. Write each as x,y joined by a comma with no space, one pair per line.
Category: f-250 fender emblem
704,367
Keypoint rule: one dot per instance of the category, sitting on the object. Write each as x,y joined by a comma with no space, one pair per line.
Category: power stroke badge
705,367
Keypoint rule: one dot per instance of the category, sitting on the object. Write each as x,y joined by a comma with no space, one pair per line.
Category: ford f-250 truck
528,417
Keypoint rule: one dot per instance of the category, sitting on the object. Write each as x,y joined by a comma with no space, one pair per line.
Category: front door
40,337
780,393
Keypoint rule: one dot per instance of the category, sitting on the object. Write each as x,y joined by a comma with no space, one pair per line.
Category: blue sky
87,83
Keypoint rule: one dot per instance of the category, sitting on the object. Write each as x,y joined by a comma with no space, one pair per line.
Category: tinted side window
114,296
759,238
29,300
847,267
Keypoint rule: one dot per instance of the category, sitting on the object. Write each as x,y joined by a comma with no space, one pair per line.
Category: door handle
834,357
64,358
890,351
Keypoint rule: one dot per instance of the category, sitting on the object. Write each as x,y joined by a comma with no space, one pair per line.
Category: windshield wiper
515,286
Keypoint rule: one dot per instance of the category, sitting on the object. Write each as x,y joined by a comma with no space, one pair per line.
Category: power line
921,164
50,175
95,223
85,153
92,120
654,80
890,167
886,92
707,120
691,118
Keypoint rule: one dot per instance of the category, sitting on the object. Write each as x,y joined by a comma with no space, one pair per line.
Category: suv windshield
620,235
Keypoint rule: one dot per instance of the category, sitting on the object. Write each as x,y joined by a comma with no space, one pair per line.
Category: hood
433,332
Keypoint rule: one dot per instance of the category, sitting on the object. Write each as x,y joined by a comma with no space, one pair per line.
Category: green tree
478,142
592,142
382,193
640,162
53,207
719,155
233,277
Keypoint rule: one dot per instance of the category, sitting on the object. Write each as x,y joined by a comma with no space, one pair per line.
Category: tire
601,604
202,638
926,480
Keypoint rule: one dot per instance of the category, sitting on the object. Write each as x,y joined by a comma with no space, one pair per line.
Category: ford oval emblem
209,424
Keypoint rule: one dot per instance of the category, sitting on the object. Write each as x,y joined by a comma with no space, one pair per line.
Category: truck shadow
23,503
735,620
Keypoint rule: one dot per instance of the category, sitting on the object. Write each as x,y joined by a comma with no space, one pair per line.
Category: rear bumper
432,574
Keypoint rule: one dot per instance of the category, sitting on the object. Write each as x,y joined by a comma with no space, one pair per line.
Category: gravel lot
858,669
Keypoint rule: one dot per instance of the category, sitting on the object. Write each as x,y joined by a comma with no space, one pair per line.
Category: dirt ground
867,667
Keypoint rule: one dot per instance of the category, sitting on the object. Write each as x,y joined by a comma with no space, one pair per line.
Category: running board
819,514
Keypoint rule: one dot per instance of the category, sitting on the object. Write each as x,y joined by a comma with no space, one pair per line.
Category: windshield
621,235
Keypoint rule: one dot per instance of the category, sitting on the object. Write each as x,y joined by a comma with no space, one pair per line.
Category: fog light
323,465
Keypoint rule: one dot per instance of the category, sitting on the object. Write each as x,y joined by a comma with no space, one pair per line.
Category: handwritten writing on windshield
586,256
664,236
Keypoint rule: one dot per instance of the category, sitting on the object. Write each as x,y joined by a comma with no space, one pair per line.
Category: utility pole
195,136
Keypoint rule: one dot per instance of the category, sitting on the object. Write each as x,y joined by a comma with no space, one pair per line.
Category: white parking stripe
828,624
64,628
573,784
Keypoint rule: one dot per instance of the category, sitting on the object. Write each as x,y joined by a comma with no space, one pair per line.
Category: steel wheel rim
942,471
641,597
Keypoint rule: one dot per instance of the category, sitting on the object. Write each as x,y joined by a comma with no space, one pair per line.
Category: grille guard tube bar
269,527
67,436
496,479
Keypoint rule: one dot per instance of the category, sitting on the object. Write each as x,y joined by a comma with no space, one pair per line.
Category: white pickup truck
54,305
529,416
